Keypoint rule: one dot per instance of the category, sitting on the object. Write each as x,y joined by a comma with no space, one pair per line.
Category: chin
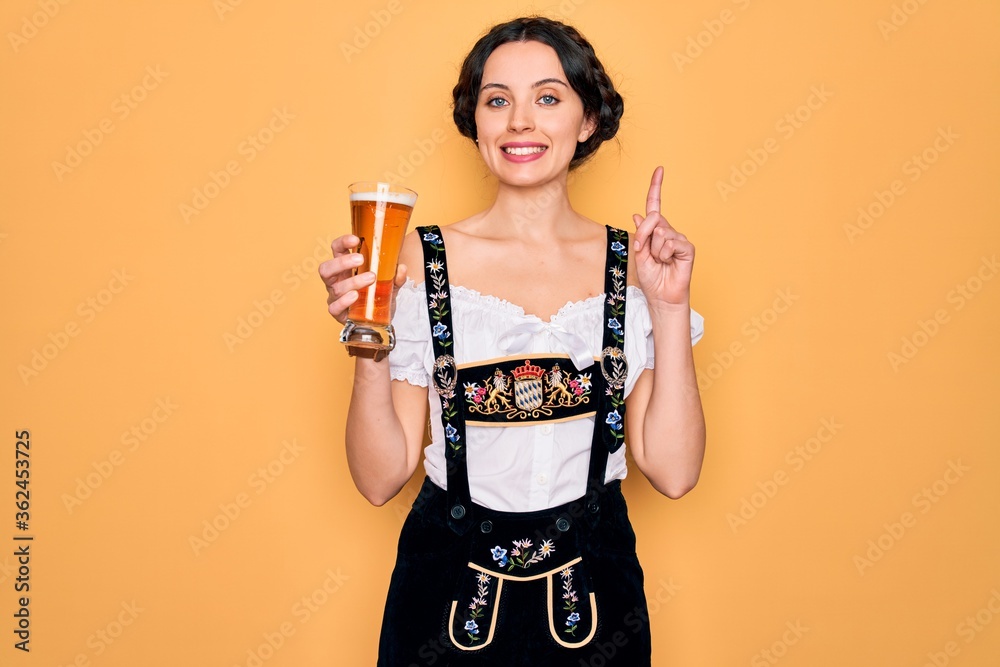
528,176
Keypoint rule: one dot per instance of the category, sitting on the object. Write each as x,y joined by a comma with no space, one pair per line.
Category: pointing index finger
655,185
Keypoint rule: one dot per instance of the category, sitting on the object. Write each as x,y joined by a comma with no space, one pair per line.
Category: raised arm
664,418
386,418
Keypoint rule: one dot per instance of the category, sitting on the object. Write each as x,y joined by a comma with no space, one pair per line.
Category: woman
528,341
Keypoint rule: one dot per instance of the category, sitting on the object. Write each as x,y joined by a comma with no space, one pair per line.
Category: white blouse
519,468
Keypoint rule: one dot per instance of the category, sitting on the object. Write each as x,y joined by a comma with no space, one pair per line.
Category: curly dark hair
585,72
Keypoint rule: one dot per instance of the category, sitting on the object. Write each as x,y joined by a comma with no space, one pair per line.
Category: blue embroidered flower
615,420
431,237
440,331
500,555
451,433
472,627
572,618
618,249
615,325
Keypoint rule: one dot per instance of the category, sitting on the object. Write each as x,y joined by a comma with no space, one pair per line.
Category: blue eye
496,102
548,100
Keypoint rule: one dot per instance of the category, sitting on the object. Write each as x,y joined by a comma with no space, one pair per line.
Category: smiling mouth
524,150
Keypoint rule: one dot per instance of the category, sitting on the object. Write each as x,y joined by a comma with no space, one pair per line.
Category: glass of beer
379,215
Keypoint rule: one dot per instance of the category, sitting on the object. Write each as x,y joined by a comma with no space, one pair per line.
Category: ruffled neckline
498,304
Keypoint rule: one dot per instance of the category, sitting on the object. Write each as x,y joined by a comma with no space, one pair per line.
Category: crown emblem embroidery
521,393
528,390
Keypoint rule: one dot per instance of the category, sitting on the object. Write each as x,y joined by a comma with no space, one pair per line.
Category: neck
532,212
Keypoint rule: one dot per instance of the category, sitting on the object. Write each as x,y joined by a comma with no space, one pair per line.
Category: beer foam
404,198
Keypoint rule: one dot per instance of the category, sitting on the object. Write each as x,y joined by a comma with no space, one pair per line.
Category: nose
520,118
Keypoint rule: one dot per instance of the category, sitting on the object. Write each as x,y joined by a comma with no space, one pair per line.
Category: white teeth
526,150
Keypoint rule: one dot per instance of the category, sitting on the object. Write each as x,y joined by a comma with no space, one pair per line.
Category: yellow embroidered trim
493,620
472,422
503,575
552,627
517,357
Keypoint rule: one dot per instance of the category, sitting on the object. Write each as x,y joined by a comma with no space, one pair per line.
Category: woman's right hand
338,276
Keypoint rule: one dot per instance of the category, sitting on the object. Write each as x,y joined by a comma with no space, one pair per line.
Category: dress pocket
572,610
473,619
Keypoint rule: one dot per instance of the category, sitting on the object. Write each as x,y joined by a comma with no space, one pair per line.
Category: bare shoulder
462,236
412,252
412,255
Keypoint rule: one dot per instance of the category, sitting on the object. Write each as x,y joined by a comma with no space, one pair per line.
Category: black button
563,525
457,512
593,508
486,526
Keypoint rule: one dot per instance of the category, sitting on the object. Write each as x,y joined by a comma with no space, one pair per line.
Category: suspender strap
445,377
609,422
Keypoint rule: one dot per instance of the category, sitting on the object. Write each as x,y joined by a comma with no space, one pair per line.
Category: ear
587,128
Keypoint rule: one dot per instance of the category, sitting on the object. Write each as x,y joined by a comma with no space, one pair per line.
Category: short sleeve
638,336
639,339
408,360
697,326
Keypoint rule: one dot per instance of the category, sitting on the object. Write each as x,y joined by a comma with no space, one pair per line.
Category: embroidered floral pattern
614,366
614,420
569,601
521,554
445,374
476,607
437,299
440,331
616,295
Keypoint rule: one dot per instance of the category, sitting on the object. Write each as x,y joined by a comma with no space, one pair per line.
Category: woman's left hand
664,257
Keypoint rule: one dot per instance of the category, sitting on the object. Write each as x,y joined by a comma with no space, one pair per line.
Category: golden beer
379,215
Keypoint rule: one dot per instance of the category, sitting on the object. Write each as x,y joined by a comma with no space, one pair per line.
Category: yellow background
159,346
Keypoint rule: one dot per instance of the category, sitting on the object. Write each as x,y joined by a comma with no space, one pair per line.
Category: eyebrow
537,84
